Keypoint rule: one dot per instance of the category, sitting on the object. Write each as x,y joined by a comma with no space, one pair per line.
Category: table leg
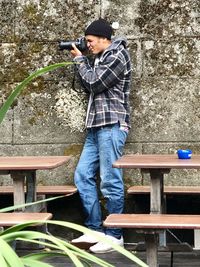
157,201
31,189
196,239
18,188
156,196
151,241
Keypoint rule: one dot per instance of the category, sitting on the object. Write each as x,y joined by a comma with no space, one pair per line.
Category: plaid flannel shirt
108,82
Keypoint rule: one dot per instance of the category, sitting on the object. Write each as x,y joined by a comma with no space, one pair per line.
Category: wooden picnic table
156,165
23,169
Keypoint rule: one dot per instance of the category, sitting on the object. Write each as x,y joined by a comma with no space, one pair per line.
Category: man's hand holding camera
75,51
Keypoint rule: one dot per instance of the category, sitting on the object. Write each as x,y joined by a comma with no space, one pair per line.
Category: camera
80,43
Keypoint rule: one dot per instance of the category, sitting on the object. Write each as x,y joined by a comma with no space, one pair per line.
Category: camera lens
80,43
66,45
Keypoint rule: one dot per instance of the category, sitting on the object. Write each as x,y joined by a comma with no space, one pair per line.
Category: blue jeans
103,146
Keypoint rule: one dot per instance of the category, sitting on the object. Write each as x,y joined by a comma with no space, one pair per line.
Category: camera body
80,43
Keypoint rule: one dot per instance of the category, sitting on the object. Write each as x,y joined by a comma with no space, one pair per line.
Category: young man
107,122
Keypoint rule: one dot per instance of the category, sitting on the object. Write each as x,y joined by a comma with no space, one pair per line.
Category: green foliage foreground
56,247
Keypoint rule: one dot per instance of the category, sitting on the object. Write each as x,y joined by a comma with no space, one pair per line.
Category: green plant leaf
2,261
34,263
57,244
50,254
11,208
44,254
19,88
29,235
82,255
83,230
104,239
10,257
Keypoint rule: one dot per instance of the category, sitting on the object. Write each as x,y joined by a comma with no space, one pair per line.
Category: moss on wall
73,150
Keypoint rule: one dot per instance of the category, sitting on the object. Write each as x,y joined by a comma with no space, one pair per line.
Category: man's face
96,44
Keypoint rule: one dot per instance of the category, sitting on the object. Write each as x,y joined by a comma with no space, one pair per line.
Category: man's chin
92,51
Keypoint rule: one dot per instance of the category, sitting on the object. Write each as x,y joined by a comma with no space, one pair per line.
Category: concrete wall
47,119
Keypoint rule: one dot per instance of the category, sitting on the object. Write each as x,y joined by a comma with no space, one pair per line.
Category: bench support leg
31,190
157,197
152,249
18,187
172,259
197,239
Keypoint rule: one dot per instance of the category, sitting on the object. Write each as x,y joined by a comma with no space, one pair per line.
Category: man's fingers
75,50
73,45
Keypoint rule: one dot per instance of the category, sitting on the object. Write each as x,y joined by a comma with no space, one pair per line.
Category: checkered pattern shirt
108,82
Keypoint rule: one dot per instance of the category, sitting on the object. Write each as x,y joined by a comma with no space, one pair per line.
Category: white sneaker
102,247
87,240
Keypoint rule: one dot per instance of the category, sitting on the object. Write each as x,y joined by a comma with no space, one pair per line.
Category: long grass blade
88,231
30,235
82,255
56,244
34,263
9,255
51,254
2,261
104,239
11,208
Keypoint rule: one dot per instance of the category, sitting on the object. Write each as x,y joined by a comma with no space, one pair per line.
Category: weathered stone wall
47,119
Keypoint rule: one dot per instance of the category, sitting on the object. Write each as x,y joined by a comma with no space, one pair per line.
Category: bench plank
153,221
44,189
14,218
145,189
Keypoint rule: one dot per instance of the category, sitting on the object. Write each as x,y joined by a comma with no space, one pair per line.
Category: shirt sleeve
101,77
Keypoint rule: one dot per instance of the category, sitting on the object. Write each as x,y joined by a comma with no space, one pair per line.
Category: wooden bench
14,218
151,224
175,190
44,190
170,191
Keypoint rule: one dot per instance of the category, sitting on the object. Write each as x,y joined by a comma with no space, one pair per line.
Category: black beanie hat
100,28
